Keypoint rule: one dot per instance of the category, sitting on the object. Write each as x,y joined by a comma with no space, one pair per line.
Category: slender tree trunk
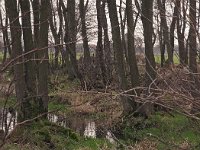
99,49
107,49
30,75
87,58
56,35
123,35
118,50
36,7
181,25
131,47
20,86
161,6
4,40
72,37
172,28
43,56
147,21
192,37
66,40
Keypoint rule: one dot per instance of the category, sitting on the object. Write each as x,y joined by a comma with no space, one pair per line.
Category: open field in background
1,56
175,58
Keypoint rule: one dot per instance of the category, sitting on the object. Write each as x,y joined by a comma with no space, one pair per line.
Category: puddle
8,120
85,127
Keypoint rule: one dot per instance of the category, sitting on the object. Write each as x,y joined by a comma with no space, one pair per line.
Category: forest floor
74,109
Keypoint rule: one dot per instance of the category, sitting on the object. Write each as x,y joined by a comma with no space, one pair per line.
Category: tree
43,56
53,27
82,8
181,26
20,86
192,37
6,41
147,21
99,49
131,45
164,27
30,76
117,46
107,49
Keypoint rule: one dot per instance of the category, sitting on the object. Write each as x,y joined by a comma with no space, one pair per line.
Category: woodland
99,74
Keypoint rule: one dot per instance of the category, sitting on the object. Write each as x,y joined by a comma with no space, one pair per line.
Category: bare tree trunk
72,36
56,35
161,6
99,49
20,86
131,47
6,41
87,58
181,25
147,21
172,27
192,37
36,9
43,56
122,26
117,46
30,75
107,49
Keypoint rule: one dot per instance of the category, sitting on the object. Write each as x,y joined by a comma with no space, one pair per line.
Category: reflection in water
8,120
90,130
84,127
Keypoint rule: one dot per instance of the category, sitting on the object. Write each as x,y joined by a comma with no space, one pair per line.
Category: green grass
175,58
1,57
165,130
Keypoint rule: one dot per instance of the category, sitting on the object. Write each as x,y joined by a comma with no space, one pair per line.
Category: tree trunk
131,47
161,6
87,58
147,21
20,86
43,56
107,49
181,25
172,27
192,37
99,49
72,37
30,75
118,50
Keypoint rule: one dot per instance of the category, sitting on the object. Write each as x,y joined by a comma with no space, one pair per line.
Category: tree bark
30,76
82,9
147,21
99,49
161,6
192,37
107,49
131,47
43,56
118,50
20,86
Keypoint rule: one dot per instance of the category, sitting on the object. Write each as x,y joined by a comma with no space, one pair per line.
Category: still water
85,127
